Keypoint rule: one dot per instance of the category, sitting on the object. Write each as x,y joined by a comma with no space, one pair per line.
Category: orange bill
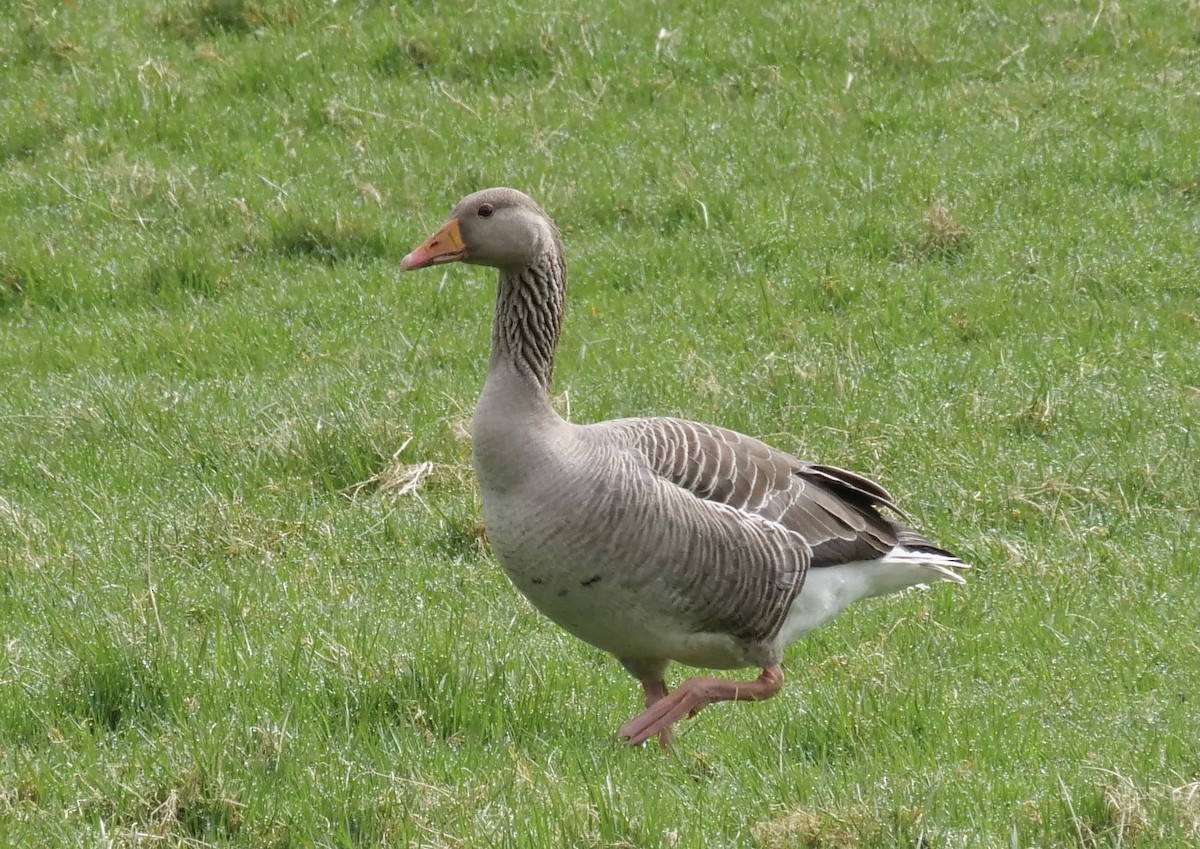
446,245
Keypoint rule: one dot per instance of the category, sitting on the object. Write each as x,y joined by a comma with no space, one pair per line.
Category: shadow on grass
330,242
225,17
20,141
188,273
111,683
524,55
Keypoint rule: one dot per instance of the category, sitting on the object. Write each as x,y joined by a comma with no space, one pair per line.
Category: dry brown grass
399,478
842,829
1185,802
943,233
1141,815
1126,813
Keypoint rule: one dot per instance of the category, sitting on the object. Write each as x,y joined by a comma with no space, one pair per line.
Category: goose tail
924,565
913,552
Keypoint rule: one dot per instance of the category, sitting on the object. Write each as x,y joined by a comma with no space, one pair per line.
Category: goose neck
528,319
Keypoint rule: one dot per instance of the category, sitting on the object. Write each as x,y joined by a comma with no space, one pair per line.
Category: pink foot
656,691
692,696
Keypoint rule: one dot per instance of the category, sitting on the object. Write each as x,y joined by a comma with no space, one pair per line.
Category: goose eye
486,210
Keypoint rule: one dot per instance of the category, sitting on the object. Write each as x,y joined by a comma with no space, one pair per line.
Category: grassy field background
244,597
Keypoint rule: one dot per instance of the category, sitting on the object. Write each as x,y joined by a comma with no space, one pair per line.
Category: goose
656,539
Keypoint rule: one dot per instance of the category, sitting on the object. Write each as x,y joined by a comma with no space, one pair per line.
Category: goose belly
605,585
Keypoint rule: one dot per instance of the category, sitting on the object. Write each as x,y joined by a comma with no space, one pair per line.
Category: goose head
500,227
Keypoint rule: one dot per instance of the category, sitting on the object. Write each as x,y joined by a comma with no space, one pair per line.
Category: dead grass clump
842,829
399,478
1036,418
944,236
800,826
1126,813
193,812
1185,802
1130,814
941,236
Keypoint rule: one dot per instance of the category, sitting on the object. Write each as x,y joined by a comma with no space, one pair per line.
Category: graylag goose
656,539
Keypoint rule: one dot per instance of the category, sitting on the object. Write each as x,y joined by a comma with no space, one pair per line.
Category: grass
244,598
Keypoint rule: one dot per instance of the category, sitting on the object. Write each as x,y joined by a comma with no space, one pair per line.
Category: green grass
955,246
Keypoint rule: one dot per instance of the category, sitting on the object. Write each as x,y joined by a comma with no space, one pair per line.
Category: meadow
245,597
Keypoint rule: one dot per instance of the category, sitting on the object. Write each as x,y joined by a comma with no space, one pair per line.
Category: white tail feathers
828,590
935,567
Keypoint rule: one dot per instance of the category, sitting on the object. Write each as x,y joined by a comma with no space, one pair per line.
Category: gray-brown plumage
656,539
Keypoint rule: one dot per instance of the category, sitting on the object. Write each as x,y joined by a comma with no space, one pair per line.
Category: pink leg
693,695
656,691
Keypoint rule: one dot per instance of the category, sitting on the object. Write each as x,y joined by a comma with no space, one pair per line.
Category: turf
245,599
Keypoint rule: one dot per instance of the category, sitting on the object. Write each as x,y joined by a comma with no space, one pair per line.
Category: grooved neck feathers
529,312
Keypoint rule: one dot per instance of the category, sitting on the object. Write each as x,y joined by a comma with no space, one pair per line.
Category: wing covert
833,512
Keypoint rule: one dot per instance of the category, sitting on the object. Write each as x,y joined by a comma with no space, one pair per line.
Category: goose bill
446,245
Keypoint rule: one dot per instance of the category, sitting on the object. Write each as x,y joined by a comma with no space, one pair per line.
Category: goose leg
656,691
693,695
